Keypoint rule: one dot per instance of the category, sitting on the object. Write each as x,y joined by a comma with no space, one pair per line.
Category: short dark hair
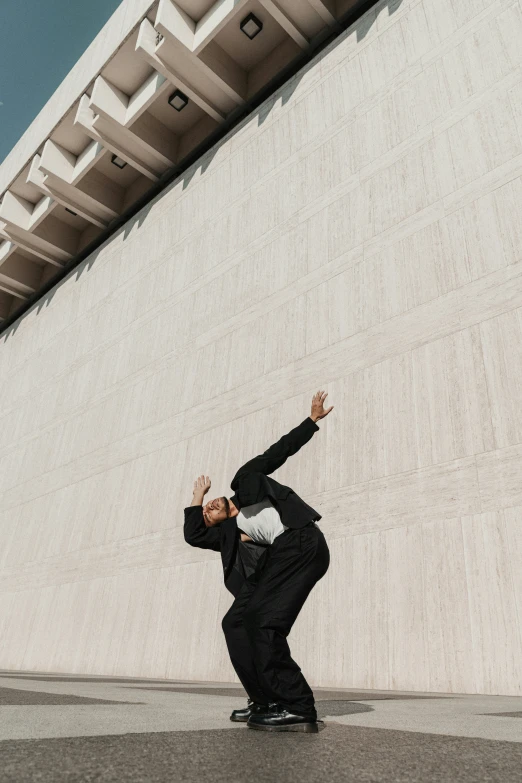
227,506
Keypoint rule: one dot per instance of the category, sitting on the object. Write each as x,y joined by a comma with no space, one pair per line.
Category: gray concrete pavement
58,728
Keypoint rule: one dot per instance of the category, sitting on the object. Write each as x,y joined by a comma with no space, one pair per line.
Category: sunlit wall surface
360,233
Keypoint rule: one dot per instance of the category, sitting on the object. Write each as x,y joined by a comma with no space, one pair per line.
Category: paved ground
56,728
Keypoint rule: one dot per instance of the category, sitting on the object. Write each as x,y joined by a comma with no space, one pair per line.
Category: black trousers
263,612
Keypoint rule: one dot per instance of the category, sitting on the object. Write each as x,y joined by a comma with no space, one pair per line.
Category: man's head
216,511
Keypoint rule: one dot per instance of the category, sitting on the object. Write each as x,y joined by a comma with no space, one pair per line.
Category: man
273,553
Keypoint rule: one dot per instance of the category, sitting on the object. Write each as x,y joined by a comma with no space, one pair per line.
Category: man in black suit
273,553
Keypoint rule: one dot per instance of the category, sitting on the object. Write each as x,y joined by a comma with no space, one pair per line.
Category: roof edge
117,28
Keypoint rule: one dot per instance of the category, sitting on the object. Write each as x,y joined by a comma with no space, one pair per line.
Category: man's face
214,512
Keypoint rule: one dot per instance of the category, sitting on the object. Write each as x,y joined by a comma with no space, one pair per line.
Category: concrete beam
6,249
286,22
174,21
155,143
45,177
178,32
87,160
214,21
152,88
21,274
326,10
35,245
221,68
22,213
96,207
69,168
24,224
146,46
98,185
133,147
5,285
109,138
122,108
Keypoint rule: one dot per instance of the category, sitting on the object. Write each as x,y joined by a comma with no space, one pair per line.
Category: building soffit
182,69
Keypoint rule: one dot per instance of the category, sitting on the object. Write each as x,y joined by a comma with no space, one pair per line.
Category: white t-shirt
261,521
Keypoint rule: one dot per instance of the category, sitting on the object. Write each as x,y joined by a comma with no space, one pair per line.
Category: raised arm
195,531
277,454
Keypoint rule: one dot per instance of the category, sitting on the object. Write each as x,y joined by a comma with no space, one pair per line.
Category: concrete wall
360,234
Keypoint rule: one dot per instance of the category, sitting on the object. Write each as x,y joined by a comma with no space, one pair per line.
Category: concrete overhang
109,132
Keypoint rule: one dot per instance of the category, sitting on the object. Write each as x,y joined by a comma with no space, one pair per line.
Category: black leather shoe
282,720
253,709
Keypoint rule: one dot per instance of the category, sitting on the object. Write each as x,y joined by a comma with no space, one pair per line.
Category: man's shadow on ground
338,707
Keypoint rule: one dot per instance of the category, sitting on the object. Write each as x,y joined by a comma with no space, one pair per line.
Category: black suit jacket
251,484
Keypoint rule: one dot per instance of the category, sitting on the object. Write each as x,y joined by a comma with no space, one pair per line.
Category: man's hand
201,487
318,411
244,537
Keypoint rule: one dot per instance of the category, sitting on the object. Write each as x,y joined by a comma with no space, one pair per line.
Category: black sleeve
277,454
196,533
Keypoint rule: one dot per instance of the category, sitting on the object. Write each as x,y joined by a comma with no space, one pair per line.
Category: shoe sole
305,728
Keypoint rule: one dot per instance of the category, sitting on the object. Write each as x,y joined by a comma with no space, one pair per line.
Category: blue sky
40,41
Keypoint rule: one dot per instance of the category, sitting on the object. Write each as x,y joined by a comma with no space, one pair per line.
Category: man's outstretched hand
201,487
318,411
